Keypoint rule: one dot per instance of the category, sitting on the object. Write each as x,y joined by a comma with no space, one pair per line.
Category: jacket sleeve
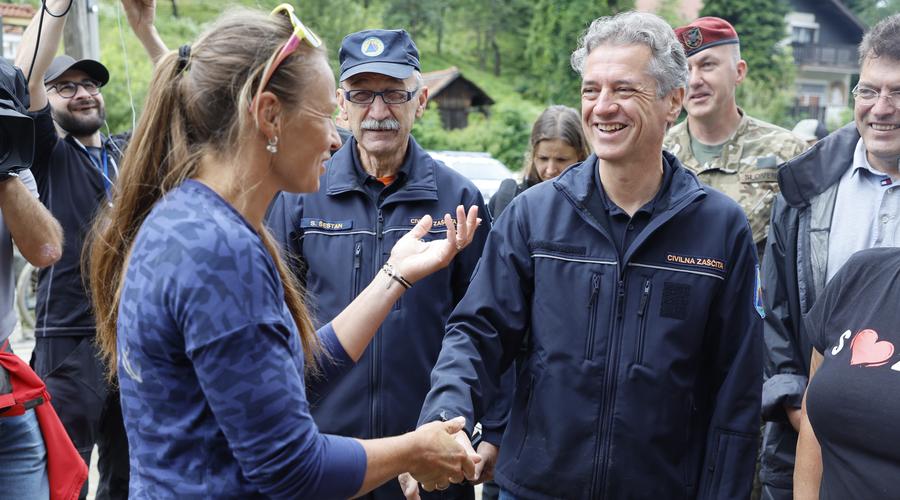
735,331
784,362
485,330
45,139
493,423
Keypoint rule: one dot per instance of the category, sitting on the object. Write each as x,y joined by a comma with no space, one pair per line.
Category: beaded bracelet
395,276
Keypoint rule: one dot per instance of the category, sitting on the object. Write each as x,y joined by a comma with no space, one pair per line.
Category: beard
79,126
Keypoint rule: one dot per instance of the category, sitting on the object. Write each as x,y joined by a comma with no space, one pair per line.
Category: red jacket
65,468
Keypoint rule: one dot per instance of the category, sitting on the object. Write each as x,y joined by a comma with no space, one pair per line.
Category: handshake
446,457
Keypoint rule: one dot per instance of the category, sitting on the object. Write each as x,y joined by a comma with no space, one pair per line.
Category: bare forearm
357,323
808,467
795,416
152,42
386,459
51,34
36,233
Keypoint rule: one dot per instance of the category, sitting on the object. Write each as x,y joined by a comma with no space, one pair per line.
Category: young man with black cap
729,150
75,168
375,188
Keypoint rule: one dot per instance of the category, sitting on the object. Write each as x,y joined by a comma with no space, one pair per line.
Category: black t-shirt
852,400
74,183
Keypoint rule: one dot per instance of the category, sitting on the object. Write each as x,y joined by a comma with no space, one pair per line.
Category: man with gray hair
374,189
638,293
840,197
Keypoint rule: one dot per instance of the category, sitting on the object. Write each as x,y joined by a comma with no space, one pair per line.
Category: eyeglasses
867,96
388,96
301,32
68,90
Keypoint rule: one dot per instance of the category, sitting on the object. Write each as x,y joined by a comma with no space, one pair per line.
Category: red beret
704,33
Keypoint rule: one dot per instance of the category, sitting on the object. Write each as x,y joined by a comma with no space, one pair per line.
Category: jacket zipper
357,266
642,323
376,345
598,481
592,318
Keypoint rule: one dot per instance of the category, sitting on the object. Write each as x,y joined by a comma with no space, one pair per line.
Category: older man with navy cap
375,188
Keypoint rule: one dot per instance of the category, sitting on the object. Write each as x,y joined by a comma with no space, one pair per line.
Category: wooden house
456,96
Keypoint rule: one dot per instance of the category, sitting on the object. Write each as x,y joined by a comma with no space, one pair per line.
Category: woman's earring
272,145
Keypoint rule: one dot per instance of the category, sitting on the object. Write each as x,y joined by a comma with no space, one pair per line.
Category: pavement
23,344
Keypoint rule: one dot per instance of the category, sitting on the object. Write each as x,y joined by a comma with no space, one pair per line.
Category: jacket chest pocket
571,305
643,311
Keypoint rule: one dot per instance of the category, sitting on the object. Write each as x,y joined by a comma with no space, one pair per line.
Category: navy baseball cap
386,52
64,63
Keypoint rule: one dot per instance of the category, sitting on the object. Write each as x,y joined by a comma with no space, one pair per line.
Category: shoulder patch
312,223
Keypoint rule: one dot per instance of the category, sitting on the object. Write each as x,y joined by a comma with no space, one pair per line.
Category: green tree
553,34
761,27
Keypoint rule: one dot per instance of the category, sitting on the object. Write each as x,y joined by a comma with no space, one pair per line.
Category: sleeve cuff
335,360
492,435
780,390
345,470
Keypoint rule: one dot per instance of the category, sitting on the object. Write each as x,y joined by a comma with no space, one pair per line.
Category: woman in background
557,141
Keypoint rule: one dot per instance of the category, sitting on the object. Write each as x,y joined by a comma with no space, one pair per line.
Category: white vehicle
482,169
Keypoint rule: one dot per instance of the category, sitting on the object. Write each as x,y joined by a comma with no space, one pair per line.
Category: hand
409,486
416,259
484,471
441,458
140,13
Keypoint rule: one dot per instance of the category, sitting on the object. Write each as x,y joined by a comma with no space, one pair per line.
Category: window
803,35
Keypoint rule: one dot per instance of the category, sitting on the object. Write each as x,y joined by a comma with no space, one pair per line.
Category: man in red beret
726,148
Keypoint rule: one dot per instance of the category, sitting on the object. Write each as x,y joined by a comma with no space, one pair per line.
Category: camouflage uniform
746,169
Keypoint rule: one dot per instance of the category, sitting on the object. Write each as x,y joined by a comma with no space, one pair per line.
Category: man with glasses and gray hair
840,197
638,295
376,188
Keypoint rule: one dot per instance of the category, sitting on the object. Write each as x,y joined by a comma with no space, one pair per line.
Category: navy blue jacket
342,237
643,375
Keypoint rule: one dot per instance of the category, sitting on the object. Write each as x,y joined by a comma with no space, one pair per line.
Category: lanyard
102,166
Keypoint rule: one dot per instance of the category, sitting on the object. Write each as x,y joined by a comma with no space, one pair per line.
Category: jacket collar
812,172
578,182
420,184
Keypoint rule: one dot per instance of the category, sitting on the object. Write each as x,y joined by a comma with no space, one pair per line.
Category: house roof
16,11
438,81
839,7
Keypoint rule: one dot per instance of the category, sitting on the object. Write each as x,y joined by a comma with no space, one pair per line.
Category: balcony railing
840,56
800,111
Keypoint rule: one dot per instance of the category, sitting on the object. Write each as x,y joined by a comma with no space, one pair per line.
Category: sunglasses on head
301,33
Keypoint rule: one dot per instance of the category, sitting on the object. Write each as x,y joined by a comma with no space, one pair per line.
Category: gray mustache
386,124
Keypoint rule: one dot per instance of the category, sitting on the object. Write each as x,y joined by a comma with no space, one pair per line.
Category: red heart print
869,351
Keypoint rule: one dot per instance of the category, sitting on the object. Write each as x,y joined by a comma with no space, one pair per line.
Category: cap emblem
693,38
372,46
